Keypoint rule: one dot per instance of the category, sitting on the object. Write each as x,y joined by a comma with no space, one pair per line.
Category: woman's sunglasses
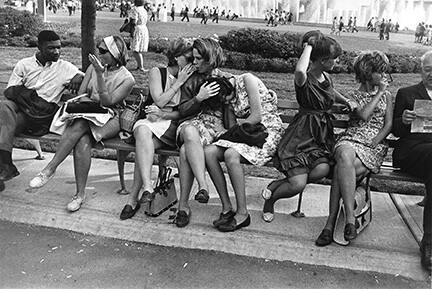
102,50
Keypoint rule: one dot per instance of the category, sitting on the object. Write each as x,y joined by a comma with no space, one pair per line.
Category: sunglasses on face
102,50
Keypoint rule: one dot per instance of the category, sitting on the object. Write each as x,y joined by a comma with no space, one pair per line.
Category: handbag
248,133
164,195
85,107
127,26
362,212
130,114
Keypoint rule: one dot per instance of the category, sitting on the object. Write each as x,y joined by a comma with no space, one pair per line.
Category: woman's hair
323,47
139,2
122,48
369,62
210,50
178,47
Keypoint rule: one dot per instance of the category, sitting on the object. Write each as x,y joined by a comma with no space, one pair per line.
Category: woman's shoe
128,212
350,232
266,193
224,218
202,196
182,219
325,238
146,197
233,226
40,180
75,204
268,217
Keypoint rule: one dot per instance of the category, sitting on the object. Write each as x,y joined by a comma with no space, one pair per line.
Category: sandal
202,196
325,238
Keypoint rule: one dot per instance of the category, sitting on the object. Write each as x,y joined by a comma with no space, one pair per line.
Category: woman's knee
345,155
297,184
84,143
143,133
79,126
190,134
232,157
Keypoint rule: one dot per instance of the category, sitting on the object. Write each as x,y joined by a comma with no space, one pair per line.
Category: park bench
287,109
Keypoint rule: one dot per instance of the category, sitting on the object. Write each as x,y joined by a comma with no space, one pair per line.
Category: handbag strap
163,72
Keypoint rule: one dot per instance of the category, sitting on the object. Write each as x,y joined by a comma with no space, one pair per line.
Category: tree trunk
88,28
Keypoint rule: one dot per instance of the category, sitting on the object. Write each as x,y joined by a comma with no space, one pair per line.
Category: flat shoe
75,204
8,172
350,232
268,217
146,197
202,196
233,226
182,219
266,193
128,212
40,180
325,238
224,218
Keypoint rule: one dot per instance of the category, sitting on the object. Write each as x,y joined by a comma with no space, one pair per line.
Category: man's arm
399,128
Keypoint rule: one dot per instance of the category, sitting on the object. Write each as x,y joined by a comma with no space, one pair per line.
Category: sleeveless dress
270,118
360,133
164,129
140,39
309,139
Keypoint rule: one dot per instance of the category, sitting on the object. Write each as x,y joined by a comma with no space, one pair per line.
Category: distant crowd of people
383,27
339,26
423,34
275,17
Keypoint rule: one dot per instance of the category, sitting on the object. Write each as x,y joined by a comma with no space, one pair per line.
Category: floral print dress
360,133
270,119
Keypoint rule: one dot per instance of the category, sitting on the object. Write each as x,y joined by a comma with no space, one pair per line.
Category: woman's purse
247,133
130,114
128,26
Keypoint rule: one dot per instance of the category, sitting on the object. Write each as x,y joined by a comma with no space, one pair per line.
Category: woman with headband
108,82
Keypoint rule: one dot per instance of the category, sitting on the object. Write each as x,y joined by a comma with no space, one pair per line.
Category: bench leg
121,159
299,213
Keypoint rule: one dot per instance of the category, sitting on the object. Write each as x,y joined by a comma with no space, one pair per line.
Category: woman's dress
269,117
140,39
309,139
360,133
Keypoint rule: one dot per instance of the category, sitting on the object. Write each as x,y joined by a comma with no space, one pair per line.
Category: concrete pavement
388,245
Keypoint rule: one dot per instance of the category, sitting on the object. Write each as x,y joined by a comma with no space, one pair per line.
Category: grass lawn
281,83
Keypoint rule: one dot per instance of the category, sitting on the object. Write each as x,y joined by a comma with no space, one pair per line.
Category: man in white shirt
43,73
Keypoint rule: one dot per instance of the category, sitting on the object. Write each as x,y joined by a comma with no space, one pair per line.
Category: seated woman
108,82
361,148
158,129
200,124
305,150
251,102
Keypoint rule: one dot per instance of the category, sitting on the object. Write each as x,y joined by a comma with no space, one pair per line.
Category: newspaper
423,121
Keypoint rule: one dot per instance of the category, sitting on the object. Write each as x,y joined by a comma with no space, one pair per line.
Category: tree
88,28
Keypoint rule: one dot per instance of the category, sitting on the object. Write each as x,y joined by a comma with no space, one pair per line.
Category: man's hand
408,116
75,83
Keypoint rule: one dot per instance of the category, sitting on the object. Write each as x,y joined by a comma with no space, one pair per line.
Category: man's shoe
2,186
8,172
202,196
425,249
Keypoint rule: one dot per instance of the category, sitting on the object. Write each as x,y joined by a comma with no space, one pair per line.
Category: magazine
423,121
